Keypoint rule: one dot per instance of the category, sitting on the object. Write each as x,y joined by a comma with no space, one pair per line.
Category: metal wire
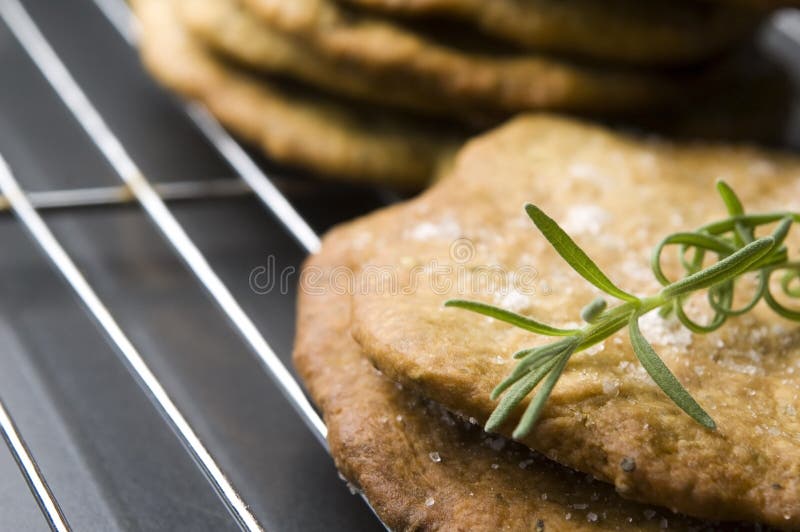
33,222
32,40
34,478
103,196
788,23
121,18
109,145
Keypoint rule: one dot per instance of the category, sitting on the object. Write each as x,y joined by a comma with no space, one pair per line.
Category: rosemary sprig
738,251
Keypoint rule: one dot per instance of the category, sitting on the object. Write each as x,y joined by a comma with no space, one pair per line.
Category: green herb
738,251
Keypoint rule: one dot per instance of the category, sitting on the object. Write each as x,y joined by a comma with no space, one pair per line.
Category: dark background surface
108,456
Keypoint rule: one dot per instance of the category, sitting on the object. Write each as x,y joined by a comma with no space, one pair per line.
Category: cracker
420,467
294,125
484,80
617,196
657,32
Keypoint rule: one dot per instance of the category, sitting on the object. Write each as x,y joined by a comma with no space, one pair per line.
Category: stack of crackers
404,383
386,90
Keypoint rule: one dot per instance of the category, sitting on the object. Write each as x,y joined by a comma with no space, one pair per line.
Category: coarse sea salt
665,332
585,219
611,387
443,229
583,170
513,299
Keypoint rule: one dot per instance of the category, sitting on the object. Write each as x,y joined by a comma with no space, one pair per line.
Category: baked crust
382,438
292,124
617,196
657,32
482,80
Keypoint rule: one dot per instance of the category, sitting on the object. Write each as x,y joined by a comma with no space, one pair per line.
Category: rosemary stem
616,318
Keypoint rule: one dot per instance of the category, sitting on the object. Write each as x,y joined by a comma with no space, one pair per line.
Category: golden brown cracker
228,27
292,124
486,81
617,196
420,467
657,32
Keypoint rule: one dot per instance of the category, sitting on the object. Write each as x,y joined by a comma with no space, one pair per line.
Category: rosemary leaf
515,395
574,255
730,198
534,360
727,268
591,311
509,317
662,376
534,409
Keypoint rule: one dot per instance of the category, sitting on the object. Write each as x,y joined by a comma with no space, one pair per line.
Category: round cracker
617,197
485,81
420,467
292,124
229,28
656,32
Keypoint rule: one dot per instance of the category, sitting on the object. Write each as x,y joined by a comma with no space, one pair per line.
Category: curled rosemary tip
738,251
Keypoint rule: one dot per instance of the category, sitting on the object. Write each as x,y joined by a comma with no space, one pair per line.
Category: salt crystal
591,517
544,496
583,170
447,228
513,300
399,419
699,370
447,419
664,523
754,355
774,431
636,270
580,506
628,464
435,457
361,240
649,514
497,444
761,167
568,516
429,502
495,466
473,421
585,219
611,387
676,219
665,332
525,463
